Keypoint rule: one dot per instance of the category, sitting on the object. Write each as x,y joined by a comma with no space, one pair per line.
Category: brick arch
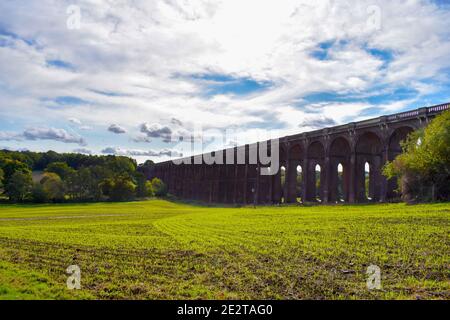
393,150
296,151
315,156
340,146
316,150
294,188
277,192
397,135
369,148
369,141
338,183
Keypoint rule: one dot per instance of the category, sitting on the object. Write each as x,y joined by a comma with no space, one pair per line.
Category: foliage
62,169
107,186
53,186
423,169
19,186
39,194
11,166
83,186
161,250
38,161
159,187
123,189
80,178
142,186
149,189
119,189
2,175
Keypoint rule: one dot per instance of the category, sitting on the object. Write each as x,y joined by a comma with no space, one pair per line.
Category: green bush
53,186
423,169
159,187
123,189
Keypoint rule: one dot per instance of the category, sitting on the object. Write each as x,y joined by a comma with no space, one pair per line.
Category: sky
147,78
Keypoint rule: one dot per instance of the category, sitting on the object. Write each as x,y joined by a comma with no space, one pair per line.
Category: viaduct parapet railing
337,164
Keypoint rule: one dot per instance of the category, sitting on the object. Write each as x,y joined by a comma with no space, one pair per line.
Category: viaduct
337,164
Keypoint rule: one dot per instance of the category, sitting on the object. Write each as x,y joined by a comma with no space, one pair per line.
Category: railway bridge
331,165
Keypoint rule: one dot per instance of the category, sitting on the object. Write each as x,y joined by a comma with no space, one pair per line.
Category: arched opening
294,174
340,183
279,179
340,162
283,183
395,140
368,166
315,175
318,182
299,183
367,188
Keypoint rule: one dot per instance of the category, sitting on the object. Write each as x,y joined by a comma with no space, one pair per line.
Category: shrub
53,186
423,169
159,187
123,189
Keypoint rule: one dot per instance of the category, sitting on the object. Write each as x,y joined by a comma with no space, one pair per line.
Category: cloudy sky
126,77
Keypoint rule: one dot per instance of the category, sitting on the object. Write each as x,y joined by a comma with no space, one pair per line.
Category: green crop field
162,250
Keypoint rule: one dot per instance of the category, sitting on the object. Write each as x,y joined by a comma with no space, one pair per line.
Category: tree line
422,172
54,177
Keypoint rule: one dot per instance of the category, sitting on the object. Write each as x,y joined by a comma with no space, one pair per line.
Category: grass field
162,250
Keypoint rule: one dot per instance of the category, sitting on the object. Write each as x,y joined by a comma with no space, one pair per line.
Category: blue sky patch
321,53
69,101
394,95
108,93
319,97
384,55
60,64
216,84
11,35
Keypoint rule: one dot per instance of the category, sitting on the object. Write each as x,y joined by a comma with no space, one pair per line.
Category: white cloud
75,121
83,151
42,133
142,138
10,136
60,135
131,62
139,152
157,130
115,128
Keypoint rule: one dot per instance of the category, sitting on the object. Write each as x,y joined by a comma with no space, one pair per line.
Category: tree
159,187
53,186
143,186
123,189
1,177
11,166
423,169
149,189
39,194
107,186
19,186
61,169
82,186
